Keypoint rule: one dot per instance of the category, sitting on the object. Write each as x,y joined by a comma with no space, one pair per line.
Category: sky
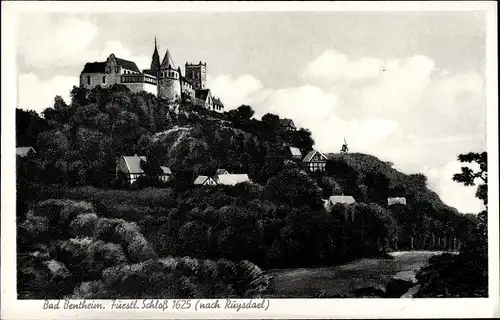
407,87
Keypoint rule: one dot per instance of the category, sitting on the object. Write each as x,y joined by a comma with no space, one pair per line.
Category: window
88,80
116,69
103,80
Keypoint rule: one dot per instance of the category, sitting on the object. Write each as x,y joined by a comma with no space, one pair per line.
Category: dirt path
342,280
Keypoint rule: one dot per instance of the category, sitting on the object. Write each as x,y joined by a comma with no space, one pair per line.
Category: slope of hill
276,221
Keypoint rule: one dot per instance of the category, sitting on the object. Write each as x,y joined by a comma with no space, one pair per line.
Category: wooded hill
277,220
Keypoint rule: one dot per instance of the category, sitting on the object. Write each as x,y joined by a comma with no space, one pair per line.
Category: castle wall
188,89
98,79
169,88
142,86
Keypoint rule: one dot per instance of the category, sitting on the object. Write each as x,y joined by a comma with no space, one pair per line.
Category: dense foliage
276,221
464,275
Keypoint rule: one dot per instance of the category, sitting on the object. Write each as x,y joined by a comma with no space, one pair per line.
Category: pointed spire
167,62
155,61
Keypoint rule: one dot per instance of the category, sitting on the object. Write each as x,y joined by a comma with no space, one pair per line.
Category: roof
232,179
201,179
165,170
155,61
149,72
202,94
23,151
134,163
295,151
342,199
222,171
94,67
393,200
287,122
311,155
167,62
126,64
186,80
217,101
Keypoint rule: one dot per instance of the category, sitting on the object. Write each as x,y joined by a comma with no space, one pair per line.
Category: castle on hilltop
164,79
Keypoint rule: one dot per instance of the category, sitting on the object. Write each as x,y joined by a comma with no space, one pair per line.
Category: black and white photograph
165,156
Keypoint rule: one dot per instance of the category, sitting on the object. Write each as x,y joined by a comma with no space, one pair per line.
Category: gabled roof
311,155
134,163
94,67
201,179
24,151
166,170
222,171
341,199
167,62
287,122
217,101
202,94
126,64
232,179
295,152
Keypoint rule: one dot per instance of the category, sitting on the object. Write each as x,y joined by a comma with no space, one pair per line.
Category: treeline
78,144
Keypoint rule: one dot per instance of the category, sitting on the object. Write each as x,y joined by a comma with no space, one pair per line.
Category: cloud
47,41
453,193
117,48
402,110
52,41
38,95
334,66
244,89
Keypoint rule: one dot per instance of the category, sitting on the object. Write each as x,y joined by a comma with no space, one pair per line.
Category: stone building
117,71
164,79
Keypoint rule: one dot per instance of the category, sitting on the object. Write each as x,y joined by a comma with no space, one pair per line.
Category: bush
140,250
84,225
88,290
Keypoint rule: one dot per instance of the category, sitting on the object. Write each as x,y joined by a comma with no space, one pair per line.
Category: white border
280,308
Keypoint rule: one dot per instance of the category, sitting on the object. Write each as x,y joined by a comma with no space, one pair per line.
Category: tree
293,188
469,177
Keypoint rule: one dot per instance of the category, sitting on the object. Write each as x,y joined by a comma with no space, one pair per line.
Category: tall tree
470,177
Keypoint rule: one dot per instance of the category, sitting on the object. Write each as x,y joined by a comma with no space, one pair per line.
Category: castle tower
155,62
197,74
169,84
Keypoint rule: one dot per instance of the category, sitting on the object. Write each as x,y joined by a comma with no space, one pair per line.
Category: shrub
84,225
140,250
88,290
127,231
105,229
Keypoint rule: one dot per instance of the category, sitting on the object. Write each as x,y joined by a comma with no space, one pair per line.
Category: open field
345,279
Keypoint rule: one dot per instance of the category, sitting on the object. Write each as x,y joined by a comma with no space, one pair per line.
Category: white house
204,181
221,171
295,152
315,161
232,179
333,200
25,152
131,167
394,200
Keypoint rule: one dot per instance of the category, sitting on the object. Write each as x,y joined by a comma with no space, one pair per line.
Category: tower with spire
155,62
169,84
